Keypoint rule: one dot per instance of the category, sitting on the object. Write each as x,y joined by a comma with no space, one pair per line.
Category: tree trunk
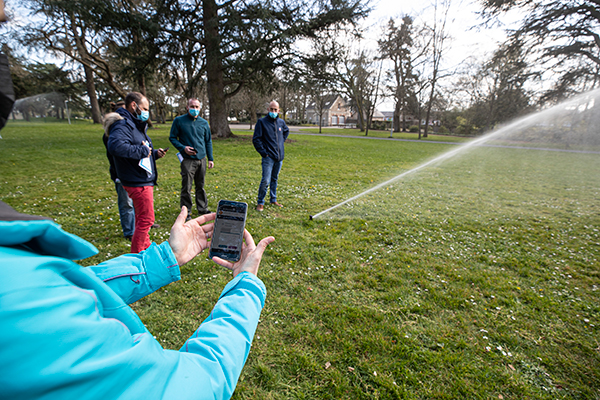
89,74
320,121
91,92
142,89
214,71
396,120
142,84
360,116
430,102
419,115
303,110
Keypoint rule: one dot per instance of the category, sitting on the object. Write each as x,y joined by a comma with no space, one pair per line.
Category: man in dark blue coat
135,163
270,133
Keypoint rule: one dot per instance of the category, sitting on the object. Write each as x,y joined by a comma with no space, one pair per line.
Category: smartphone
228,233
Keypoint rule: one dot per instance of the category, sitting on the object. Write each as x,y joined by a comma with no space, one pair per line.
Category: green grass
386,134
473,279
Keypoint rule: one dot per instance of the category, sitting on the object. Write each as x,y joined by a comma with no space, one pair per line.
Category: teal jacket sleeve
208,143
174,136
133,276
220,346
67,342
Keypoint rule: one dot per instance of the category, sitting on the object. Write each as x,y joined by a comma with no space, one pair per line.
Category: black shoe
128,238
207,211
155,226
188,218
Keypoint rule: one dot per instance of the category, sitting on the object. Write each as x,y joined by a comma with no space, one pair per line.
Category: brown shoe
274,203
260,207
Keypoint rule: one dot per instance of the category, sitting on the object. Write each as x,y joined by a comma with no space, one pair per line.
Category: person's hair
192,99
133,96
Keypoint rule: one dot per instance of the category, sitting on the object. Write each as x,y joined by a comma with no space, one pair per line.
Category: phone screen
228,233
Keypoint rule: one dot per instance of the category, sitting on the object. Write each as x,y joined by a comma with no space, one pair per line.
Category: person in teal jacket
67,332
190,134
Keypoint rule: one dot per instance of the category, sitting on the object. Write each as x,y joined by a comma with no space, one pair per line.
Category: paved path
241,127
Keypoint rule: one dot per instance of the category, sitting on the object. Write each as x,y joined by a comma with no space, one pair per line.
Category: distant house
377,116
409,119
335,111
388,115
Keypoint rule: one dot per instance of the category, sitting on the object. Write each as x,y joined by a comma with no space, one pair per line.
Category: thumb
182,216
262,246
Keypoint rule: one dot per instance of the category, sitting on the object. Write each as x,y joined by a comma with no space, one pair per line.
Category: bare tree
438,41
320,77
358,78
405,46
65,30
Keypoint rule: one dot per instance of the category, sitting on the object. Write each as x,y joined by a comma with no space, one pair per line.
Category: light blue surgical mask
273,114
143,115
194,112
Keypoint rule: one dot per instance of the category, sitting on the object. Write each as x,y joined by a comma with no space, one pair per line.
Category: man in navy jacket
270,133
135,162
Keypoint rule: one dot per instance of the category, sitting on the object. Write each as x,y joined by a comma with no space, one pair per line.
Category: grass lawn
431,137
476,278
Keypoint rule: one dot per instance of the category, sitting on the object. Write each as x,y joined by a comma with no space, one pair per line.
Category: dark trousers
193,171
126,211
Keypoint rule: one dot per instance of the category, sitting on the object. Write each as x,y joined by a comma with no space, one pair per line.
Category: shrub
379,125
413,128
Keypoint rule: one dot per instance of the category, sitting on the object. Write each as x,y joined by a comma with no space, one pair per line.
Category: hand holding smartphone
228,234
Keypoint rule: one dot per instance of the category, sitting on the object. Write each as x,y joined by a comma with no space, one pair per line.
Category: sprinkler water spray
578,103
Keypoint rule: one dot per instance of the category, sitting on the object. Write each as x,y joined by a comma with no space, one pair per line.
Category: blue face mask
273,114
144,115
194,112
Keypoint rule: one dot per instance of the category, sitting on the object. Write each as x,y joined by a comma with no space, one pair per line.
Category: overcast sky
463,24
468,38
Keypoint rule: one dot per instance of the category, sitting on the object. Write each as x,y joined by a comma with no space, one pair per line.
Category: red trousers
143,204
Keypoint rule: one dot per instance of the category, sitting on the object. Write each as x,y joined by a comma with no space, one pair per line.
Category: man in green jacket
190,134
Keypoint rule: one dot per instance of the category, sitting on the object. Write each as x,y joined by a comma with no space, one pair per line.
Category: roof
328,101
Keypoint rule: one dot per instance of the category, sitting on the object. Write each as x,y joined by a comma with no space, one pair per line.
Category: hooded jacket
68,333
108,120
126,145
269,136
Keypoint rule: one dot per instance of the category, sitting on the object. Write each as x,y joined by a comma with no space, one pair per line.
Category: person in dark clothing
135,163
270,133
7,92
190,134
126,210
